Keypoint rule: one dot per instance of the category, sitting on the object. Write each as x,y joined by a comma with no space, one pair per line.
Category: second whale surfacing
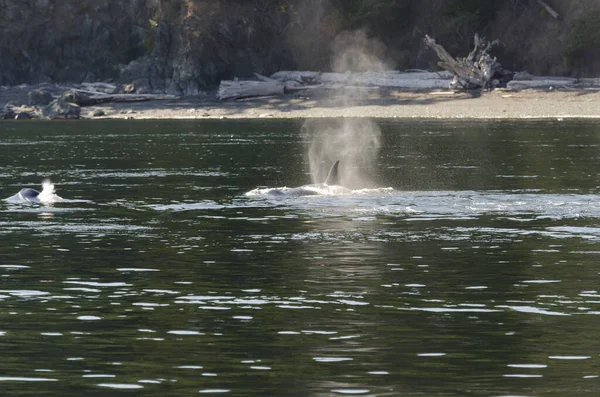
330,187
27,195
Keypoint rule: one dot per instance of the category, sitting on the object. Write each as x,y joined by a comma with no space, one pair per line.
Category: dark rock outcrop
61,109
7,113
180,47
70,40
23,116
96,113
39,97
77,98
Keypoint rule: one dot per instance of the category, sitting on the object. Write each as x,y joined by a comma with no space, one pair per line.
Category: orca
28,195
329,187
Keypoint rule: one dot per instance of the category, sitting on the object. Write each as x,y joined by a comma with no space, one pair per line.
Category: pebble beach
369,102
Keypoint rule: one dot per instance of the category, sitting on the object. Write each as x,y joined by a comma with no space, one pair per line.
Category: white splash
318,190
48,194
28,196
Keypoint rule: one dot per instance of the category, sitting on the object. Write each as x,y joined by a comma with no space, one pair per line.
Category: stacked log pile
65,101
88,94
523,80
294,81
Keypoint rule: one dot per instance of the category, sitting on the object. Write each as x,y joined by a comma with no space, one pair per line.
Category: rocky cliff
186,46
70,40
179,46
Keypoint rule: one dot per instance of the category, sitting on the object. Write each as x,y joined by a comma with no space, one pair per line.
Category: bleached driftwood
232,89
87,98
302,77
393,79
265,78
131,97
101,87
548,8
474,71
590,82
541,83
288,86
293,81
526,76
523,80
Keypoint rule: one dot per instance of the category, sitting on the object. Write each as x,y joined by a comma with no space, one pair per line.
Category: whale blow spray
355,142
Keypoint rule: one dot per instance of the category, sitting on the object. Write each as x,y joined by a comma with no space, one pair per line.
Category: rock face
39,97
176,46
61,109
7,114
183,47
96,113
23,116
68,40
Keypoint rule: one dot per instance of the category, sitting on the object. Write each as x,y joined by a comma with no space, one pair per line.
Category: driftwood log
549,9
105,88
392,78
548,82
236,89
83,97
294,81
475,71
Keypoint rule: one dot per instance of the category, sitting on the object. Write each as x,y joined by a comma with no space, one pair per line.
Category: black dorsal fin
332,177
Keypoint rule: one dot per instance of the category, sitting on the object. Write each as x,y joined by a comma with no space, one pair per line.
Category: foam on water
315,190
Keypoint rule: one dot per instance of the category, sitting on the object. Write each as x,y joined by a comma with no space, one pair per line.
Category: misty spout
355,142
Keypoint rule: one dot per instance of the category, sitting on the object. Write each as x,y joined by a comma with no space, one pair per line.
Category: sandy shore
375,103
367,102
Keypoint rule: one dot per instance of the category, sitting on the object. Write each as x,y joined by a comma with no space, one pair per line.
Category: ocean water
468,266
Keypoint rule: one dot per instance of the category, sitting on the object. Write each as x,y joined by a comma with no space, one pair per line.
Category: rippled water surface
471,270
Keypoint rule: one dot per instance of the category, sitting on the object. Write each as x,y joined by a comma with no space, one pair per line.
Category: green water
475,274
